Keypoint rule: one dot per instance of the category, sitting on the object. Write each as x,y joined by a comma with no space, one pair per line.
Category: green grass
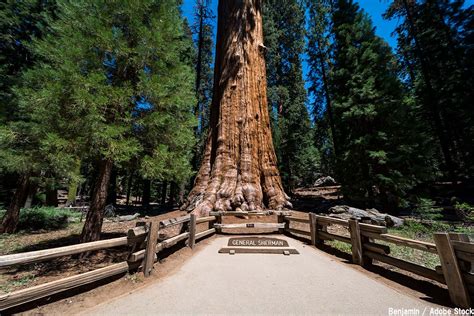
425,231
45,218
339,245
21,281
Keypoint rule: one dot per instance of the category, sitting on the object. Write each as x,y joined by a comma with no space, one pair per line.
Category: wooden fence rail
455,251
44,290
143,243
48,254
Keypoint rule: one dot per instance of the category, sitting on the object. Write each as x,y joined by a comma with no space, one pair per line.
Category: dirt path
308,283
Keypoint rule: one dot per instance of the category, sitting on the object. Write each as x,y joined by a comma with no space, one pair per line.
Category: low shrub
464,211
426,209
45,218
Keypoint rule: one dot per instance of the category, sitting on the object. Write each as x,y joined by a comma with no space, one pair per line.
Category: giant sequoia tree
239,169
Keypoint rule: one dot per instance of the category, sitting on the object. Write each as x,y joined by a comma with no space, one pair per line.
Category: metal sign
257,242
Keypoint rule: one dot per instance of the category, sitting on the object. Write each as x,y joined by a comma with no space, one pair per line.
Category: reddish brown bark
239,169
95,216
12,216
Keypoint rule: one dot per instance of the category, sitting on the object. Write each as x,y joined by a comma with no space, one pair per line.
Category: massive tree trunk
95,216
239,169
12,216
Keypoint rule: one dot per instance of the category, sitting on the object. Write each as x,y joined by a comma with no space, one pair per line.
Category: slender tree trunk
31,195
197,108
239,169
73,185
93,225
164,190
72,193
146,193
129,187
173,193
327,96
12,216
112,188
201,8
182,191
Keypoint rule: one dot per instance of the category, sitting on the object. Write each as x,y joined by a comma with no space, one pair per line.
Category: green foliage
381,152
113,84
20,21
465,211
291,125
426,210
421,230
435,52
204,46
45,218
319,35
18,282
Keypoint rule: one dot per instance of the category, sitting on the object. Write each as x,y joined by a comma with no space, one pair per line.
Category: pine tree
19,23
113,74
434,48
203,33
380,146
284,38
202,30
319,37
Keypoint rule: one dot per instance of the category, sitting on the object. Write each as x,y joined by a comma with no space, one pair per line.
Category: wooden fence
455,251
143,248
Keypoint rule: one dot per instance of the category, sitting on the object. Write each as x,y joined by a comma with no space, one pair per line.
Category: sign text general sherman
257,242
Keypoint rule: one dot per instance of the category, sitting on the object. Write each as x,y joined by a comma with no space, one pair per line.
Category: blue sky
375,8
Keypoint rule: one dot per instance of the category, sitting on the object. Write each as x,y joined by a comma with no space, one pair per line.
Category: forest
114,105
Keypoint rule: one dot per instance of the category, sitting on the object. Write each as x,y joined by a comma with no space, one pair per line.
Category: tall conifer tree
19,23
204,45
380,146
435,49
319,37
284,39
112,75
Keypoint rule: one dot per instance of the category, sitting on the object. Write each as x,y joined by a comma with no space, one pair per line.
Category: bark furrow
239,169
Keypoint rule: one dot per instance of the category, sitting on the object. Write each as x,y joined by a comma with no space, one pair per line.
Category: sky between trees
375,8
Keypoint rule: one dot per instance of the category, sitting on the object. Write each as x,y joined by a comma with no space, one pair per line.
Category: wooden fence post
356,242
452,273
192,231
313,227
218,221
466,266
150,251
281,219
